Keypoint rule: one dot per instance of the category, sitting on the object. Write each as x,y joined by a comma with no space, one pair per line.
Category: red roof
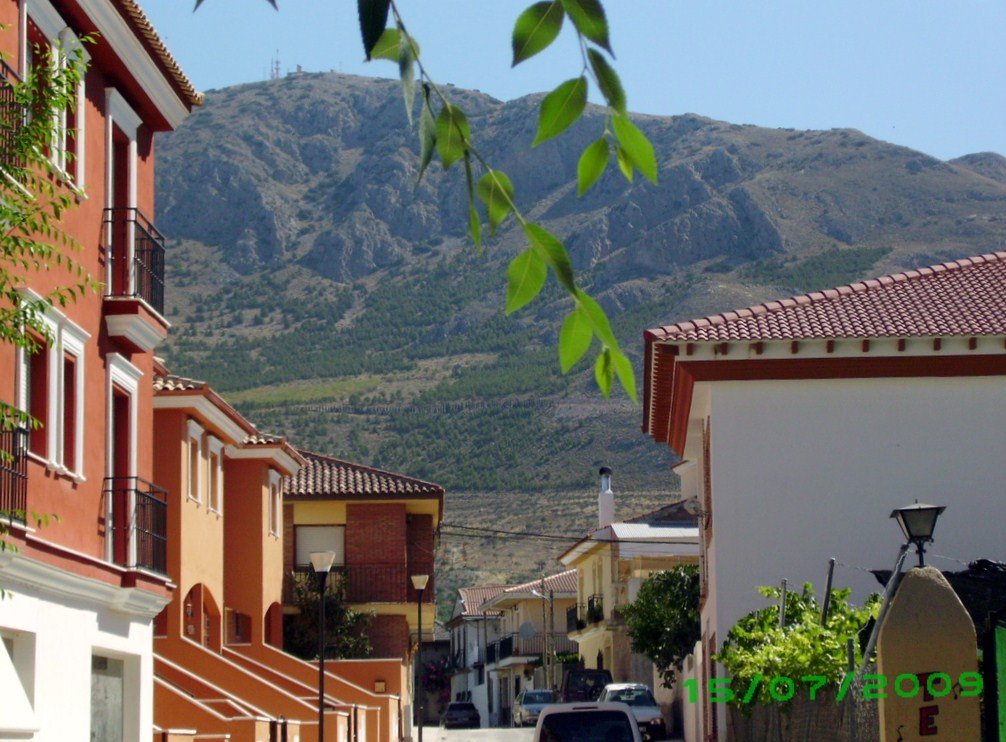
563,582
961,298
472,599
324,477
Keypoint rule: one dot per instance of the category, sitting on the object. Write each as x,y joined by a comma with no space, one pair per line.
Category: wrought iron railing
514,645
371,583
595,609
134,250
12,116
574,620
138,523
13,473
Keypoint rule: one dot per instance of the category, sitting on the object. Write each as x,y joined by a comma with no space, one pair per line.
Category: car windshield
538,696
631,697
462,707
587,726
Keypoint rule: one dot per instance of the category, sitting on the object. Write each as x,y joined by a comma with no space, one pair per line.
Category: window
275,503
48,39
215,475
319,538
194,480
50,388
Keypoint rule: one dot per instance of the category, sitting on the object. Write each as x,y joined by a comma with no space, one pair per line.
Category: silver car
529,704
640,700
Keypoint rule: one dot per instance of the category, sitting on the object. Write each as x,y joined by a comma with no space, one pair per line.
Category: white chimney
605,500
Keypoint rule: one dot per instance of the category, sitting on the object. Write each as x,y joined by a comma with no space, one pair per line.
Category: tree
443,129
663,620
757,647
345,629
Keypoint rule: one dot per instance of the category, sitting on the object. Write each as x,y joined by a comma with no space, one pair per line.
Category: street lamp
419,582
322,562
918,521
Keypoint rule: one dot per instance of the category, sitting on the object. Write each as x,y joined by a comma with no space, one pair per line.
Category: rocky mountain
334,300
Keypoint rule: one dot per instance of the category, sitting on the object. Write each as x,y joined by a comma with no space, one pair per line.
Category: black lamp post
419,582
918,521
322,563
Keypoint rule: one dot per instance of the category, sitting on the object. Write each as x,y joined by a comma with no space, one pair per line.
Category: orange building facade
82,591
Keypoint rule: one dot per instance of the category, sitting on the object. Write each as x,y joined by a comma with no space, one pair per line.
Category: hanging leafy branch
444,130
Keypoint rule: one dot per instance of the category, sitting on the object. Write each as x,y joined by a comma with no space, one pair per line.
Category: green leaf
474,222
603,372
592,163
624,164
626,376
535,29
406,68
452,134
561,108
597,318
553,252
386,46
637,147
496,191
525,275
373,19
607,80
427,133
574,339
588,17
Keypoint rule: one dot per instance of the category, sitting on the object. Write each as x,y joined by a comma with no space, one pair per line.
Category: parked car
586,722
583,684
459,715
639,698
529,704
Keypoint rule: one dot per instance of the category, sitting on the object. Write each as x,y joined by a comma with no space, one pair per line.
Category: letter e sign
927,721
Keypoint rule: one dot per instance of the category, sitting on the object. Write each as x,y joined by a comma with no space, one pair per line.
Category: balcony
12,116
137,513
372,583
514,645
13,474
134,250
595,609
573,621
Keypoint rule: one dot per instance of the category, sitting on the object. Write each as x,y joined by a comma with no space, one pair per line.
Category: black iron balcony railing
138,523
372,583
595,609
12,117
574,622
13,474
492,653
135,253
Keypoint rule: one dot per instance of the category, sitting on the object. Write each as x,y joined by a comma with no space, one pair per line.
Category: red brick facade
389,636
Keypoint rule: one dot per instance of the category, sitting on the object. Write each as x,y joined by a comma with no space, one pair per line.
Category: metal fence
14,473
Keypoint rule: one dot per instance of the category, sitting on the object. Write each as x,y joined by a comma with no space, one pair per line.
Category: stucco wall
807,470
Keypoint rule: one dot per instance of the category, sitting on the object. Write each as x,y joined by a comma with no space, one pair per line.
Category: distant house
611,563
531,626
802,423
473,629
383,528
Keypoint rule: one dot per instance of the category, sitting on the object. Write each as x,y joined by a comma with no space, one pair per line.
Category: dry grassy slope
307,268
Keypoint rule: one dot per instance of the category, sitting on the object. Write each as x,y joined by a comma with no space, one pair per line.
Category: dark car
583,684
460,715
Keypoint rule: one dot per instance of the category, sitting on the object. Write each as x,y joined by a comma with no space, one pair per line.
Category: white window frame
124,375
63,42
275,504
215,474
119,114
194,479
66,337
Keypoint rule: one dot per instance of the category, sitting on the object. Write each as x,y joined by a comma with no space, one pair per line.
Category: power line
451,529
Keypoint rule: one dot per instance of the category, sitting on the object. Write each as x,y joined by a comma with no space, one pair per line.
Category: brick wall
389,636
288,540
375,533
419,550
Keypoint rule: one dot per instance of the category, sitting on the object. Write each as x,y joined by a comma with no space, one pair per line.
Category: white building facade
802,424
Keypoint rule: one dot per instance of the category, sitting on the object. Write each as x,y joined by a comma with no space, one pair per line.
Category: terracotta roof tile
263,439
563,582
175,383
472,599
961,298
326,477
133,12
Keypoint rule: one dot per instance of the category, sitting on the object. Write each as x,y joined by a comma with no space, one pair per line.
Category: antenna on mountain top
274,67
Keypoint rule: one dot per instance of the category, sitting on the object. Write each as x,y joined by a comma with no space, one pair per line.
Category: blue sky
926,74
